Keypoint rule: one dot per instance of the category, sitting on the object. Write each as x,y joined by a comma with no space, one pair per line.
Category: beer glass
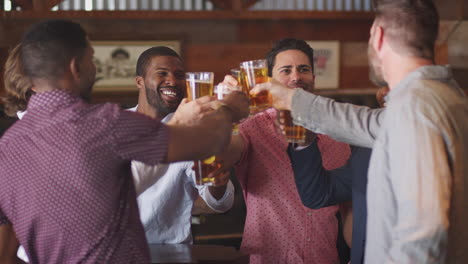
204,167
222,90
236,74
293,133
200,84
252,73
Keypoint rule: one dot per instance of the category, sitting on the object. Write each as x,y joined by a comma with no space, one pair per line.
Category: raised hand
190,113
281,94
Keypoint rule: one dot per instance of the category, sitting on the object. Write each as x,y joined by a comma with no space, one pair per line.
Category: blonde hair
18,86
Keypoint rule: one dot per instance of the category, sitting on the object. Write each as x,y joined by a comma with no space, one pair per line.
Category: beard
87,89
160,106
375,68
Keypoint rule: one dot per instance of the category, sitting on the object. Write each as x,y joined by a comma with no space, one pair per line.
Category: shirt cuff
223,204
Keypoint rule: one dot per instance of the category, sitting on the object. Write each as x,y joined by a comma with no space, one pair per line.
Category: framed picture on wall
116,62
326,63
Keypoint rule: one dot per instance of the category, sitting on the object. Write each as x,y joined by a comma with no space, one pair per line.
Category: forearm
210,136
8,245
356,125
316,186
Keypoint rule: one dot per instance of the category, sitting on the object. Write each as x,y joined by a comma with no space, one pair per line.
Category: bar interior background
216,35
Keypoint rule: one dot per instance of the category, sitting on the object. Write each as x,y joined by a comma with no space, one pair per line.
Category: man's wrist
227,110
218,192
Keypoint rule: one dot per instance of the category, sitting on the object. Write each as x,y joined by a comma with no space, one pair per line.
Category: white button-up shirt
167,193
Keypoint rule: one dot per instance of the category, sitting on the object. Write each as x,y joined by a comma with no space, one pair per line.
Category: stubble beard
154,99
375,69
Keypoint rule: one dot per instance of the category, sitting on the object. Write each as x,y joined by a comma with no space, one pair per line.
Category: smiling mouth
170,95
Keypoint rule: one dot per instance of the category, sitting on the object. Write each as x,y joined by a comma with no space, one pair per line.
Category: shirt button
308,239
299,118
309,213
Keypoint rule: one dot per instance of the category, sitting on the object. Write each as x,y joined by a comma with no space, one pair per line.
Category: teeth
170,93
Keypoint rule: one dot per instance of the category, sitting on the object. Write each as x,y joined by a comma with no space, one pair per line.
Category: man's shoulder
104,110
428,95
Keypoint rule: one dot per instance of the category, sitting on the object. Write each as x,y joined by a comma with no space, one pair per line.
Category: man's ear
74,68
140,82
378,38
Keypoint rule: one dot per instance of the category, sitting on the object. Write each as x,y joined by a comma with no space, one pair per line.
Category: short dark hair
146,56
49,46
288,44
411,25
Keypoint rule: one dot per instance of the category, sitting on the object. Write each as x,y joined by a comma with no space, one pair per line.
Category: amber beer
253,73
199,84
204,167
293,133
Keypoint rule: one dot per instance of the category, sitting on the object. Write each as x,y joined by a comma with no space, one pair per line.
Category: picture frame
326,64
116,62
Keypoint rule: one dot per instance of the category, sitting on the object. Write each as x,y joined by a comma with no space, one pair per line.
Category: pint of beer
252,73
236,74
204,167
199,84
293,133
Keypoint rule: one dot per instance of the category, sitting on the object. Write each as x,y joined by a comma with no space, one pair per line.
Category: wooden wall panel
343,30
355,78
220,44
220,58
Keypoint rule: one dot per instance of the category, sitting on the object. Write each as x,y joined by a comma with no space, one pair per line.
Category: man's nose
170,80
295,76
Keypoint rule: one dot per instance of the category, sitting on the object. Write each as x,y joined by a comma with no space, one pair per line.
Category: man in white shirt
167,192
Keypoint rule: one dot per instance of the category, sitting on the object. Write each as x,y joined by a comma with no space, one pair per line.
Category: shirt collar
429,72
51,98
164,120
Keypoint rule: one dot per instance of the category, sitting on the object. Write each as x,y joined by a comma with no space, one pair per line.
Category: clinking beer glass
200,84
292,132
253,73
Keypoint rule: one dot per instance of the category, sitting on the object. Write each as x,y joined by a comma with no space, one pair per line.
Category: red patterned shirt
65,180
278,227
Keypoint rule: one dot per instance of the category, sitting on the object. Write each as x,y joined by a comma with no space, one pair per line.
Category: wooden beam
190,15
40,5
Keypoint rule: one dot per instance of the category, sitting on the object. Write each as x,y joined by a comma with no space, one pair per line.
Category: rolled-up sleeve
356,125
222,205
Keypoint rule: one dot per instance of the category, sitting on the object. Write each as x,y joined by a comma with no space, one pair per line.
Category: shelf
191,15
